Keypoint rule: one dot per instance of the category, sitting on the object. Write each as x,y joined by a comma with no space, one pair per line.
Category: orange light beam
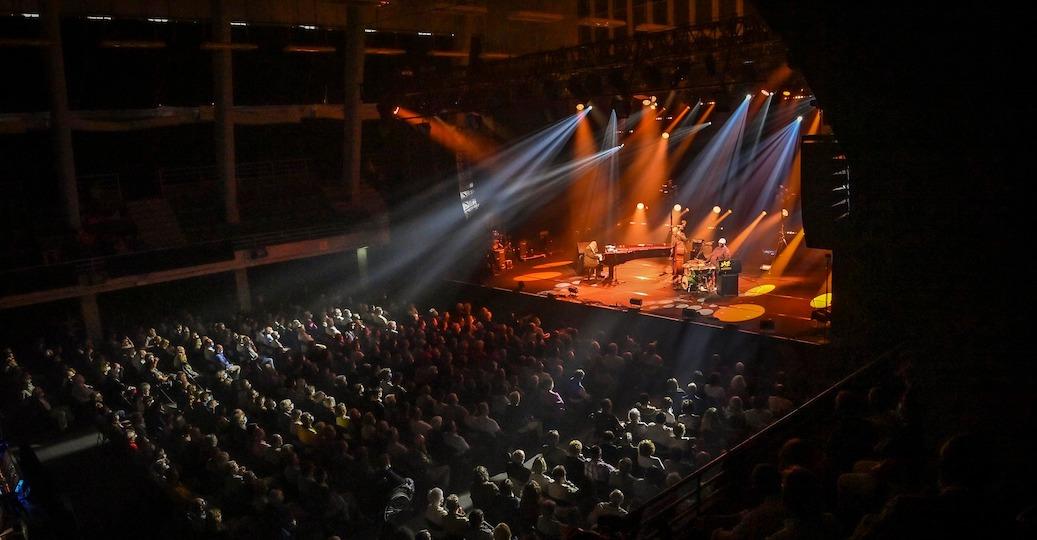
815,123
449,136
583,202
676,155
744,235
781,262
677,119
708,225
777,77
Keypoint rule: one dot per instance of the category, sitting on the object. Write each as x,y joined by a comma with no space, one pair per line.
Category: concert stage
763,299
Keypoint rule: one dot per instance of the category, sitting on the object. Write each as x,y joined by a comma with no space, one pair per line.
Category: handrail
670,498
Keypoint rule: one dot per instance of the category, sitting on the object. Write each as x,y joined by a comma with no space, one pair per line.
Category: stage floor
783,300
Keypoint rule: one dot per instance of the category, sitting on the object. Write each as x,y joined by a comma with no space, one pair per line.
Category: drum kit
698,276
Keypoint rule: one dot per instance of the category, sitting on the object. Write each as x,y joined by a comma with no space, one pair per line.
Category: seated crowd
328,423
866,475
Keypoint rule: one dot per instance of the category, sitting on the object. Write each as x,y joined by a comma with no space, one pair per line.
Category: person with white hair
720,253
592,260
435,512
614,507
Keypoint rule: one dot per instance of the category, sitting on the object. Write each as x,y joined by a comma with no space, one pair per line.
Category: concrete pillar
243,290
354,80
361,265
223,94
241,284
91,315
61,130
464,38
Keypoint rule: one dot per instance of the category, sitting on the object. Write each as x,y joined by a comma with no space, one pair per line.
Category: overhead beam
134,119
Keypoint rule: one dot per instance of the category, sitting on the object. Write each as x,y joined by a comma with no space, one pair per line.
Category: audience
326,421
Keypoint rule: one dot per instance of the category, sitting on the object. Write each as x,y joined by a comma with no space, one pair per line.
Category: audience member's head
766,480
801,493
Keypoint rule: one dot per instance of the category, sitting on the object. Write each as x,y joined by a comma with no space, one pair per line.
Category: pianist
592,260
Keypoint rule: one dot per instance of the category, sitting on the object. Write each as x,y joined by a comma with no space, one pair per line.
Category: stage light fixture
579,106
716,209
590,107
688,313
764,92
396,110
784,212
764,213
666,135
646,102
677,208
654,106
640,206
799,118
786,93
574,291
636,302
748,96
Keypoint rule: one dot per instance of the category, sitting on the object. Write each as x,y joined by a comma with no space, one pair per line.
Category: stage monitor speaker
825,186
728,285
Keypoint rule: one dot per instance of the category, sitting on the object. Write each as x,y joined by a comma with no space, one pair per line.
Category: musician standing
678,249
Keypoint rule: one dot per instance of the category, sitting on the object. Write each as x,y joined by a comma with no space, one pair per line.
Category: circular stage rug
667,306
555,264
563,285
821,301
759,290
537,276
739,312
681,306
695,307
706,312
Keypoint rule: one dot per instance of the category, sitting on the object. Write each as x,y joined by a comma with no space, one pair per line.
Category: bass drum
690,279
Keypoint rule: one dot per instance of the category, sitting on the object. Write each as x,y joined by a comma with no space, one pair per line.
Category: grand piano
622,254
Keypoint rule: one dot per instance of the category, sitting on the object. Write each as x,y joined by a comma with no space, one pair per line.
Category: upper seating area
183,223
